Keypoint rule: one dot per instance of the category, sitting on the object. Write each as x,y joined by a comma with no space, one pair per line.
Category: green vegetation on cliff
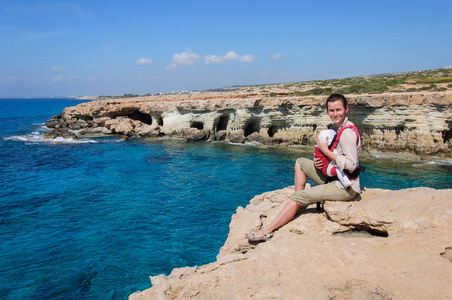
429,80
436,80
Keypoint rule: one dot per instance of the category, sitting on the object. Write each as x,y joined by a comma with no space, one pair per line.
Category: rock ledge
388,245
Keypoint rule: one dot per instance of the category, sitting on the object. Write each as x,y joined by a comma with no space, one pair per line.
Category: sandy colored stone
319,256
419,123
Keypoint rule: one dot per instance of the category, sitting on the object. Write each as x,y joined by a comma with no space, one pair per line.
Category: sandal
252,237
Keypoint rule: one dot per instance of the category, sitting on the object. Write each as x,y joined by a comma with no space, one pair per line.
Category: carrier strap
355,173
339,133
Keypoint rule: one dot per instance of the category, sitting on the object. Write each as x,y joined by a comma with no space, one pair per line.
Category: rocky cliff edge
419,123
386,245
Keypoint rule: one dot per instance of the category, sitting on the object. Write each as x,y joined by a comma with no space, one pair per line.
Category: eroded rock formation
420,123
388,245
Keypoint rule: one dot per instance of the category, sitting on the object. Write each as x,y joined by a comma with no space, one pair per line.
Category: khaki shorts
322,191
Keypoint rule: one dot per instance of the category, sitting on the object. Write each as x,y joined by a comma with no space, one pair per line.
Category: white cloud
60,78
58,69
144,61
91,79
277,56
214,59
183,59
230,56
248,58
57,78
190,58
12,79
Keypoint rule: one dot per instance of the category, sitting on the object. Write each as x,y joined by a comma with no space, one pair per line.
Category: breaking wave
37,136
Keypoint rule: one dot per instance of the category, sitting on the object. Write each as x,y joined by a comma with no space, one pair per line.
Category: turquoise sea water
93,219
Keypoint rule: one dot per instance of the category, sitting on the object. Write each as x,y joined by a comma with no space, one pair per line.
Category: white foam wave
38,137
252,144
440,161
170,138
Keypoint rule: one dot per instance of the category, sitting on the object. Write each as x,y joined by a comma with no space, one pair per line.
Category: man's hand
318,163
323,146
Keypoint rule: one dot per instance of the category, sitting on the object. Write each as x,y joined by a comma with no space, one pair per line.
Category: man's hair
334,98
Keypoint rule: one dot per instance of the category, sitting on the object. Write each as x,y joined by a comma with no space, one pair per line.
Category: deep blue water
94,219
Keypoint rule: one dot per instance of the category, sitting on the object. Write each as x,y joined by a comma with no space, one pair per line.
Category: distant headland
436,80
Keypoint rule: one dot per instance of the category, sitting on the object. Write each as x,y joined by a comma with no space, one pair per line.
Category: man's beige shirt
347,150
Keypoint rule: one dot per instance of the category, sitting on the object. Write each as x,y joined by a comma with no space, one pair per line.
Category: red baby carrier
326,160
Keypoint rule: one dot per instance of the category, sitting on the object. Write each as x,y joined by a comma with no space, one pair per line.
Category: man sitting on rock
345,158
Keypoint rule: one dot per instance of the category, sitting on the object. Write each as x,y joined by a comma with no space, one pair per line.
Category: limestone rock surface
387,245
61,133
194,134
419,123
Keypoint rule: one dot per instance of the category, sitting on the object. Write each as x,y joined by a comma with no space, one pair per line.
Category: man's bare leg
299,178
291,208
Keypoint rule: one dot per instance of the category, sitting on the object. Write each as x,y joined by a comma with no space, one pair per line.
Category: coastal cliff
387,245
417,122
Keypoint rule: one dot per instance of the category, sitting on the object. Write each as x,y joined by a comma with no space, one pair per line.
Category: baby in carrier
329,167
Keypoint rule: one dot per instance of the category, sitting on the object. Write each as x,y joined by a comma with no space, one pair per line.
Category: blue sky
76,48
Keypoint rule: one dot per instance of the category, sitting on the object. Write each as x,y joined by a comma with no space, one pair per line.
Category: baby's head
327,133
